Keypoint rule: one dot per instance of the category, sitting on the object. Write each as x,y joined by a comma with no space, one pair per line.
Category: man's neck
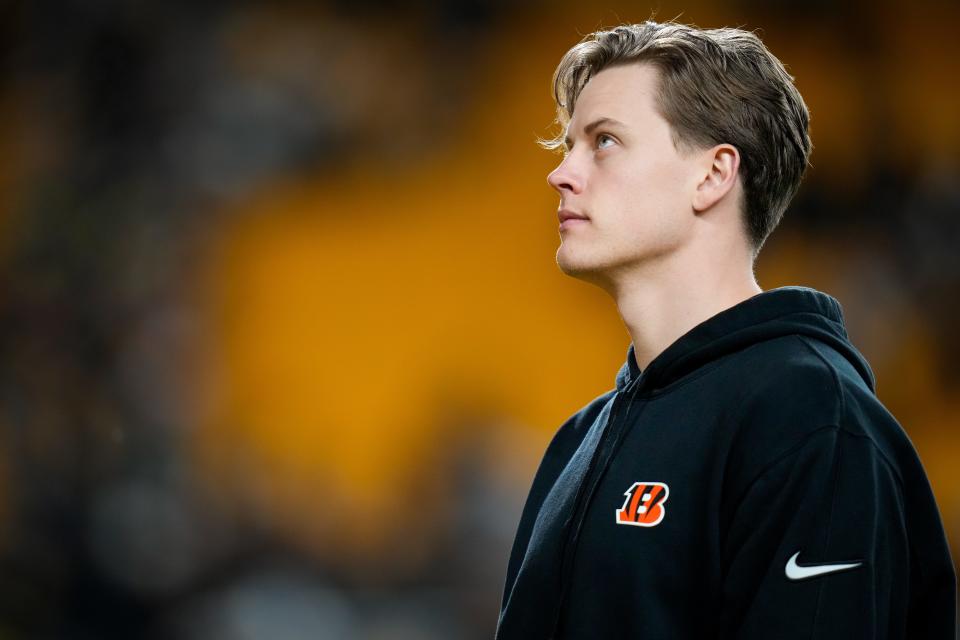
658,310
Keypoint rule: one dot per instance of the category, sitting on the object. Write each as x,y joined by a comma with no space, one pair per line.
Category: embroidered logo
803,571
643,506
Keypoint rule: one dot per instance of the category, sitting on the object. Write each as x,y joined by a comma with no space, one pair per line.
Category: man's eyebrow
593,125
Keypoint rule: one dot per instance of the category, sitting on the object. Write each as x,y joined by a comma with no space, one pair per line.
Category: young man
742,480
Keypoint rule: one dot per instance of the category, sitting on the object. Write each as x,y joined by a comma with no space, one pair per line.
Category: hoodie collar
764,316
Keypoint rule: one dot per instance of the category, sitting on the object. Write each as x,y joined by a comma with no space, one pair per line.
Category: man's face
622,172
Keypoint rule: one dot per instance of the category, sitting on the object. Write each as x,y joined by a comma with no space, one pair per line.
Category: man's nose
565,179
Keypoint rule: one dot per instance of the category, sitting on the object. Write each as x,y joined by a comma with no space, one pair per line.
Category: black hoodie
746,484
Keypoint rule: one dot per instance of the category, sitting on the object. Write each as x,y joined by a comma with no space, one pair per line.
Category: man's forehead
614,93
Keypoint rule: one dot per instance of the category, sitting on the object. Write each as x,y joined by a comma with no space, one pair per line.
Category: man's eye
601,138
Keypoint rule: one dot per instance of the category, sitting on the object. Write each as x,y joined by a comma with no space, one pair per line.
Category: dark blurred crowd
129,130
129,127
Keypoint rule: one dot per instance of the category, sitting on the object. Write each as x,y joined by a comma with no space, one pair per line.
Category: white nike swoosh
796,572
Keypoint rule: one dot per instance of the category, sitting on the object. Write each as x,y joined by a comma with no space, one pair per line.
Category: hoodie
746,484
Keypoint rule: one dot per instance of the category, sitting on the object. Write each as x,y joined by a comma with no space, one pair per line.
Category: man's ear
722,164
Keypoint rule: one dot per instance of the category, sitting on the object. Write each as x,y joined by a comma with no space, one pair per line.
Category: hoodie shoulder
794,385
784,394
863,415
786,391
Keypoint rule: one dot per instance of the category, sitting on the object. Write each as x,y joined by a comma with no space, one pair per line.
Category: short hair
715,86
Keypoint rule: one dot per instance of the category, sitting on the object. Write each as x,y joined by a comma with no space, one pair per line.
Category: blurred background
283,338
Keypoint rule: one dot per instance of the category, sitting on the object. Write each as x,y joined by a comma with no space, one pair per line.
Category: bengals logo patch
644,504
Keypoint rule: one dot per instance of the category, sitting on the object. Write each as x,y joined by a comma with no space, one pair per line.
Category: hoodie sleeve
816,546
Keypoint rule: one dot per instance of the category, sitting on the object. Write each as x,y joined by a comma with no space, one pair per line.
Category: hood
771,314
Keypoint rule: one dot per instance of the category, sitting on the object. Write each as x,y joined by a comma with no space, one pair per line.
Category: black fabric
761,428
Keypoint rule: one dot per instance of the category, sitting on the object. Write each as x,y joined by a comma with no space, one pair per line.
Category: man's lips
567,214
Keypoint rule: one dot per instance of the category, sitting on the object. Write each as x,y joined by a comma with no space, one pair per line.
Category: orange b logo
644,504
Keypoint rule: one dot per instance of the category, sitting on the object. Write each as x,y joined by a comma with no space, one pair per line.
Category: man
742,480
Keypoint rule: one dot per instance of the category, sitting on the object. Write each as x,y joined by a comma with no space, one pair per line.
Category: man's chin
581,269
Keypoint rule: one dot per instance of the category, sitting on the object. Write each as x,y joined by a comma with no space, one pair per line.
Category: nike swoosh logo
798,572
